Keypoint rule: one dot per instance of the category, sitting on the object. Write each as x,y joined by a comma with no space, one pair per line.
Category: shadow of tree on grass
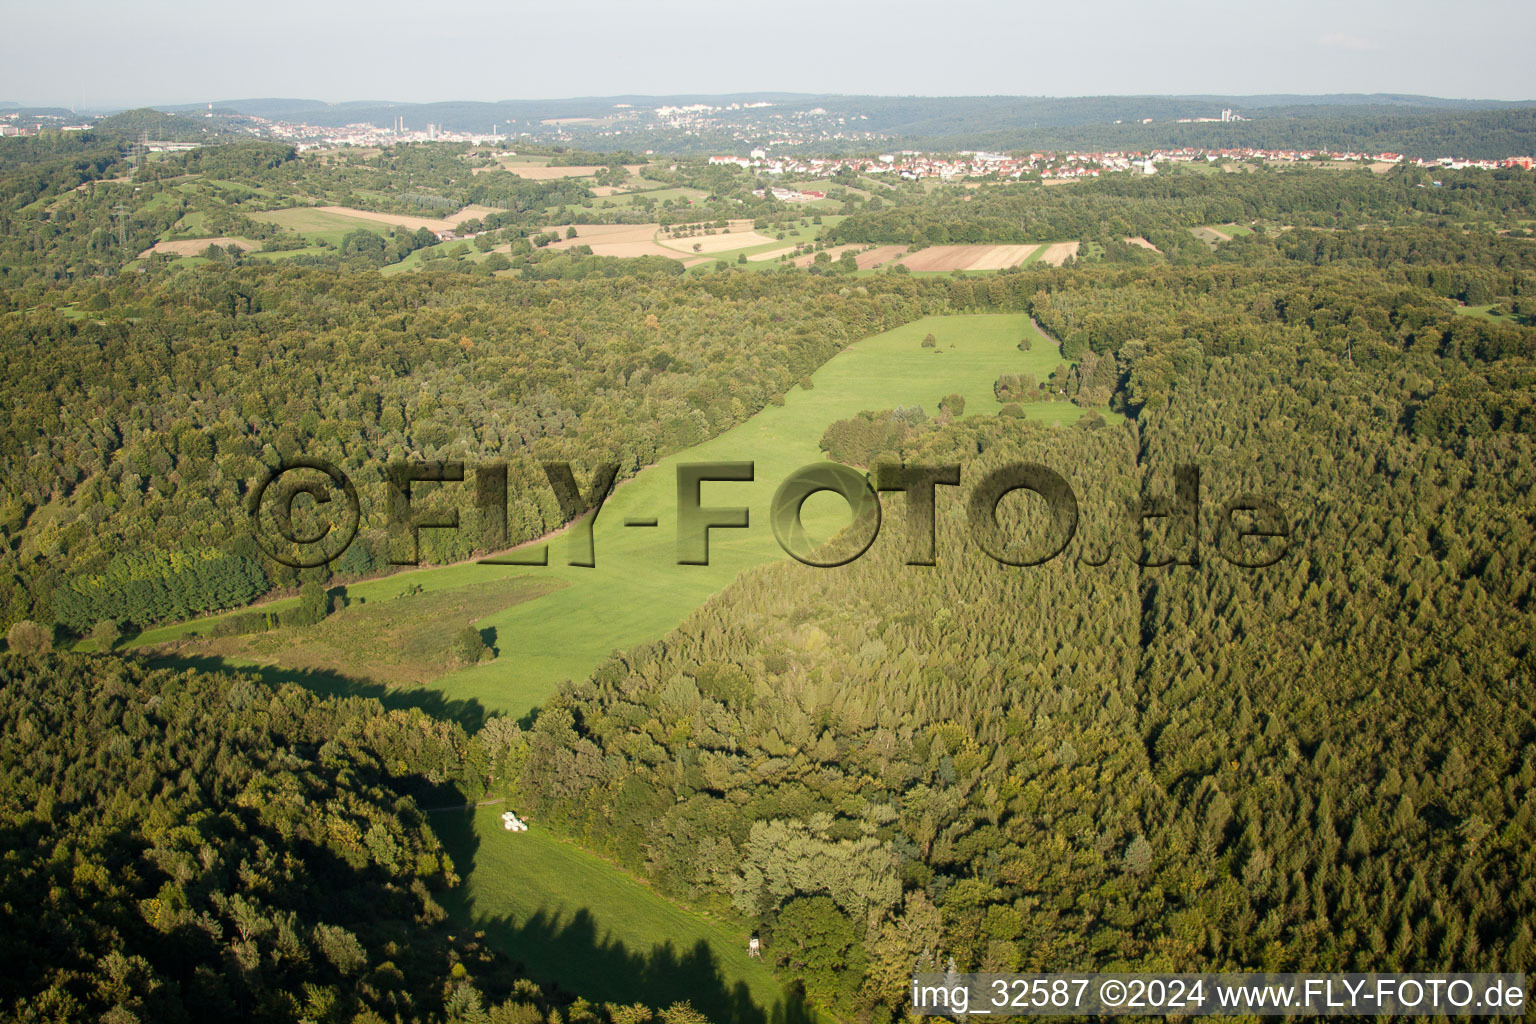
566,953
471,714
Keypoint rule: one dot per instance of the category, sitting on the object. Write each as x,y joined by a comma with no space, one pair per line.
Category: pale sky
100,53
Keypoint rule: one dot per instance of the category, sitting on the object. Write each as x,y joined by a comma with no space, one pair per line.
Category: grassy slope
574,919
383,588
637,591
571,917
399,641
319,226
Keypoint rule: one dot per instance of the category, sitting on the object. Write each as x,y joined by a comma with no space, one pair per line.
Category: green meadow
1230,231
566,914
573,918
1498,315
320,226
636,592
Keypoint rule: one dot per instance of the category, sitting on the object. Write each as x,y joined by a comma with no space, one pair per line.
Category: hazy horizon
172,52
225,101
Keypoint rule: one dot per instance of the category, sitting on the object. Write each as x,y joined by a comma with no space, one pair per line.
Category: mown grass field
574,919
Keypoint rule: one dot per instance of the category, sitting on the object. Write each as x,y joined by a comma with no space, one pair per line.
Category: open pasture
573,918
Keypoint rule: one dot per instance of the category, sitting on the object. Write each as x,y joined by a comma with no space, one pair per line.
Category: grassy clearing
319,226
1214,233
657,196
417,258
1495,313
383,588
241,188
192,225
1480,312
574,919
638,592
398,641
157,202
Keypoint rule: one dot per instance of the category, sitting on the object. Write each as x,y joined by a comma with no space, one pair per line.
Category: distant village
908,165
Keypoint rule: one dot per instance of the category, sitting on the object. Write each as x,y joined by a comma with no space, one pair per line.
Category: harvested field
969,257
1057,254
771,254
876,257
534,172
546,173
943,257
1138,240
404,220
1002,256
398,219
469,212
740,236
880,256
193,246
616,240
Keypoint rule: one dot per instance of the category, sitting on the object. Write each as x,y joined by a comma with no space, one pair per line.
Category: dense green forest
1325,764
109,472
1115,205
189,847
1140,755
272,361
